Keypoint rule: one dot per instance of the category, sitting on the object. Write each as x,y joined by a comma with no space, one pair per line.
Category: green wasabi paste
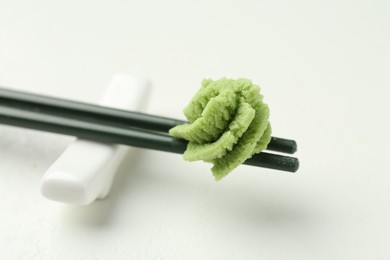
228,123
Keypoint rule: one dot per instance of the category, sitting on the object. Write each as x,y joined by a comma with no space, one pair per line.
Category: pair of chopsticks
108,125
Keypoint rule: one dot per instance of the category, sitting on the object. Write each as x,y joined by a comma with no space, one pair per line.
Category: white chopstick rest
85,170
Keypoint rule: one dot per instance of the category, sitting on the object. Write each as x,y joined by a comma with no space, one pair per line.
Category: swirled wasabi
227,123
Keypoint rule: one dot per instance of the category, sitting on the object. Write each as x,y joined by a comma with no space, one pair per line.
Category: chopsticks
100,114
116,126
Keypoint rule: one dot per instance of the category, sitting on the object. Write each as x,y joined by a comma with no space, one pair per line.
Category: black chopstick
23,117
107,116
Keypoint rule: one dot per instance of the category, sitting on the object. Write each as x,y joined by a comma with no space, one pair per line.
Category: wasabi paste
228,123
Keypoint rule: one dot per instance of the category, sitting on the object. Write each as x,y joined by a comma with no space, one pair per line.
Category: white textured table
324,71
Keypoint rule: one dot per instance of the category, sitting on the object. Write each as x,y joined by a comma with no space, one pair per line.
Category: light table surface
324,70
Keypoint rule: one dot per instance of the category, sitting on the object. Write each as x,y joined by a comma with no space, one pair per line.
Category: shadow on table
212,202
